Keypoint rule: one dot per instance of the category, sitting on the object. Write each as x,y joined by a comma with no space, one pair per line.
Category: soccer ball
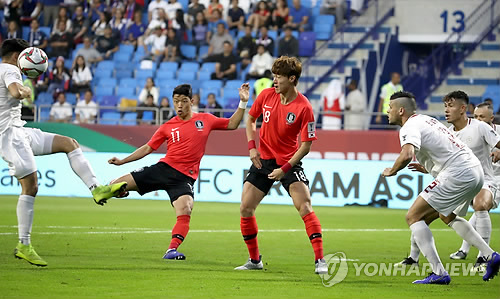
33,62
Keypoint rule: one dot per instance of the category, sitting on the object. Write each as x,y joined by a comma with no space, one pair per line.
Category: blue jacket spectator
37,38
299,17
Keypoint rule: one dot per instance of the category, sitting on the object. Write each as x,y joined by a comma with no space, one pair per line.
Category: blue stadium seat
235,84
206,91
128,82
164,74
26,32
142,74
105,65
325,19
230,94
126,49
188,51
107,82
186,77
104,91
104,73
44,114
230,104
110,118
189,67
169,66
168,84
493,92
125,92
44,98
203,51
307,44
274,35
47,30
323,31
122,58
148,116
71,98
184,4
129,119
204,75
208,66
211,84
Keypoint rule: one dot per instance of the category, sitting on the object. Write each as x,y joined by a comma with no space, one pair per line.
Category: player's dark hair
402,94
457,95
487,105
287,66
183,89
488,100
13,45
406,100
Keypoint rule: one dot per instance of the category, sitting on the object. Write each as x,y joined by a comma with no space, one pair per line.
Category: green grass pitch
116,251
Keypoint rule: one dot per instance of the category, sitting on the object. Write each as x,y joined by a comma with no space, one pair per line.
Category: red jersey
186,140
282,124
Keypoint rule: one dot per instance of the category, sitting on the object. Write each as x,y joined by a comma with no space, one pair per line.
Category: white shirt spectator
261,63
355,104
171,9
80,76
86,111
59,111
154,6
154,92
157,43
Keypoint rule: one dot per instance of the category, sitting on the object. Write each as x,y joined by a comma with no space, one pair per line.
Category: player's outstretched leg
250,199
412,259
461,254
183,207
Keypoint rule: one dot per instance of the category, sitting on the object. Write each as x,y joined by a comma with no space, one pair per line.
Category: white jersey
481,138
436,147
10,107
496,166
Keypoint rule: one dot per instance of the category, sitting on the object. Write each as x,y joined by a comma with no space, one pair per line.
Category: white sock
425,241
483,226
25,211
414,250
469,234
466,246
82,168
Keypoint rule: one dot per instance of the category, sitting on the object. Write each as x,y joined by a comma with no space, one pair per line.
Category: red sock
180,231
313,229
249,231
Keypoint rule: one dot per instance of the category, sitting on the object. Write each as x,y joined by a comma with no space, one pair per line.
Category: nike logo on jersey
175,129
269,107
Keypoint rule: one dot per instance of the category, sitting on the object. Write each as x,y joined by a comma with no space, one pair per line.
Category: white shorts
19,146
490,186
453,191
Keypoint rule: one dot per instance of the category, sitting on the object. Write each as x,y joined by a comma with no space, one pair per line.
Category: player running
458,178
480,138
19,145
286,114
186,136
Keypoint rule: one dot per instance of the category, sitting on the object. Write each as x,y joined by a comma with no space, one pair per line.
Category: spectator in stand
210,11
13,30
171,9
193,9
86,110
130,9
261,17
200,31
235,17
59,77
299,17
137,28
80,25
197,106
61,111
81,75
31,10
99,26
288,44
154,7
89,53
107,44
265,40
50,10
36,37
95,9
355,106
149,105
149,89
247,47
213,107
333,105
280,15
167,112
61,41
172,46
216,45
11,12
336,8
119,24
262,62
212,25
161,21
179,26
62,16
225,66
386,91
157,41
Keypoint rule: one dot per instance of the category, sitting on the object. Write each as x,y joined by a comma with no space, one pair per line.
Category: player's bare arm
136,155
235,120
303,150
496,154
251,130
405,157
19,91
417,167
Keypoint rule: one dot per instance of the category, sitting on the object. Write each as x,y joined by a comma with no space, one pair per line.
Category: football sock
25,212
469,234
82,168
414,250
425,240
180,231
483,226
466,246
313,229
249,230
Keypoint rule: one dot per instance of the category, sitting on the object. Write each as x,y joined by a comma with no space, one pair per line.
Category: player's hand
115,161
388,172
495,156
255,158
25,92
244,92
277,174
417,167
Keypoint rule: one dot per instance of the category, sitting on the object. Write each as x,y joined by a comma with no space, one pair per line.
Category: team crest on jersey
199,125
290,118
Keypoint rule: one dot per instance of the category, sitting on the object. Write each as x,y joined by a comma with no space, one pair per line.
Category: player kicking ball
480,138
186,136
286,114
19,146
458,178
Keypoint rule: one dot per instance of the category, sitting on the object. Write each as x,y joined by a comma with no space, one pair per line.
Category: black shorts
258,177
162,176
